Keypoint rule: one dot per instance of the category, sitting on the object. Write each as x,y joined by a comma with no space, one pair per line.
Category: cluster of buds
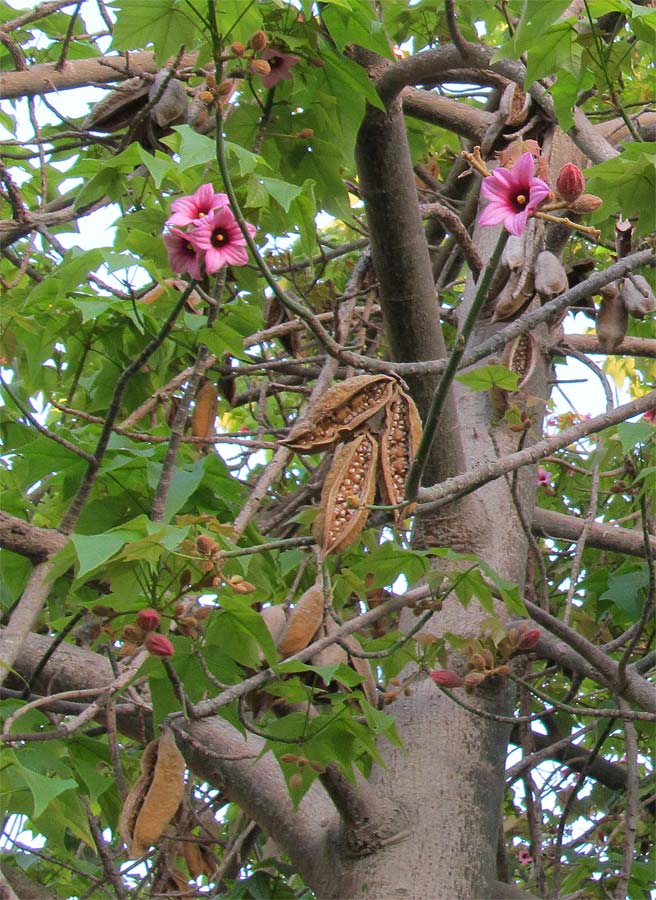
301,762
425,604
484,665
570,185
212,568
143,632
394,692
269,64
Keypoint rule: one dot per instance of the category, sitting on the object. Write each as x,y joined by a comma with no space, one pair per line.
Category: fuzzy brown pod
517,292
304,620
155,797
519,356
205,407
514,253
550,276
362,667
275,620
333,654
193,301
349,488
398,445
198,858
339,412
118,109
638,297
612,321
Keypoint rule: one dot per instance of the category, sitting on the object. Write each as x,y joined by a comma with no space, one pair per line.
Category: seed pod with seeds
341,410
398,445
353,474
519,356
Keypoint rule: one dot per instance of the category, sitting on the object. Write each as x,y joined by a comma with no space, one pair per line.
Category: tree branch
37,544
551,524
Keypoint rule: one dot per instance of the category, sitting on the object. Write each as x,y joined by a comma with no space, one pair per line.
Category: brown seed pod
348,489
638,297
340,411
398,444
362,667
550,276
155,797
304,620
612,321
202,420
517,292
333,654
519,356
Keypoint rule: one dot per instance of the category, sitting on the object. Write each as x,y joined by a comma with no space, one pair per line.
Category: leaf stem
440,395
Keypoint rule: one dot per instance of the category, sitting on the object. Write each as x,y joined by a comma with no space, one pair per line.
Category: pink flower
220,237
650,416
544,478
183,255
446,678
280,64
200,204
524,858
513,195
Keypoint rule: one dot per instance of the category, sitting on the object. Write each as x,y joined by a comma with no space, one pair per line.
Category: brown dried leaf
304,620
156,796
340,411
398,445
202,420
349,488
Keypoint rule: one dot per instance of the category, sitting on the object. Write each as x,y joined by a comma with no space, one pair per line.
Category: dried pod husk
193,301
349,487
612,321
170,108
519,356
340,411
119,108
362,667
398,445
275,620
205,408
513,253
638,297
518,105
513,297
550,276
155,797
304,620
333,654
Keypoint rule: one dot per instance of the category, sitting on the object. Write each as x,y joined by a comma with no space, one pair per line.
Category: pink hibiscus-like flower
650,416
183,256
221,240
280,65
513,195
524,857
544,478
200,204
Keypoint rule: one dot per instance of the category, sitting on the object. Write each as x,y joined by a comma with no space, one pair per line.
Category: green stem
440,395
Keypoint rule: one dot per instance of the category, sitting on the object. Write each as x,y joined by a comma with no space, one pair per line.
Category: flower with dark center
513,195
219,239
201,203
280,65
183,256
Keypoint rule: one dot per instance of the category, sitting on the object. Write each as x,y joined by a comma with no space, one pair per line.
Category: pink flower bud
158,645
446,678
148,619
570,182
529,639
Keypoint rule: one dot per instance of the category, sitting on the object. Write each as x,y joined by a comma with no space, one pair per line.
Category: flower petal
523,170
494,214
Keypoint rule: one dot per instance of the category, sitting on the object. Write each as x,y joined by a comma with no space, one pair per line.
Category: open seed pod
519,356
513,297
340,411
398,445
349,488
637,296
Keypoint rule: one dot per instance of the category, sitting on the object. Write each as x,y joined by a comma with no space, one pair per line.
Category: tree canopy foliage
314,578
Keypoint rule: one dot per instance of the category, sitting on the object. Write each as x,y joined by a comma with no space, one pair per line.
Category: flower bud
296,780
205,545
237,48
226,87
570,182
187,626
305,134
206,97
259,67
478,661
289,758
133,633
473,679
258,41
158,645
446,678
529,639
586,203
127,649
148,619
240,586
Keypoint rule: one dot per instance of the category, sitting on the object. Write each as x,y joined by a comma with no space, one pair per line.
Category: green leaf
183,484
194,149
486,377
44,788
164,24
631,434
158,164
282,191
627,591
95,549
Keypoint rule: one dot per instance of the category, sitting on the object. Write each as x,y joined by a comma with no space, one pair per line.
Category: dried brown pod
304,620
362,667
519,356
340,411
550,276
398,445
333,654
155,797
637,296
347,491
118,109
202,420
193,301
514,253
275,620
612,321
517,292
170,107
